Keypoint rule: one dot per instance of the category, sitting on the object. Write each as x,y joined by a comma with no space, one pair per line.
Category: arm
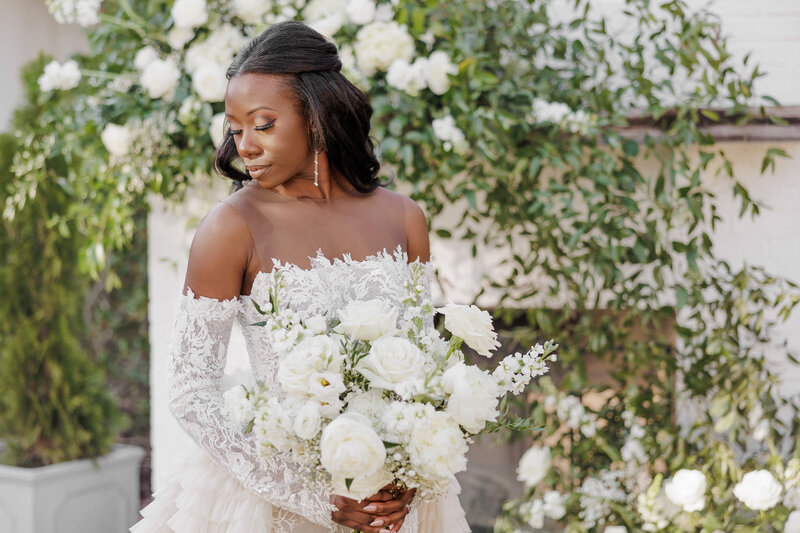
217,261
416,233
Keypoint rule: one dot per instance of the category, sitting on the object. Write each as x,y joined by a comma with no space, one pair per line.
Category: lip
256,171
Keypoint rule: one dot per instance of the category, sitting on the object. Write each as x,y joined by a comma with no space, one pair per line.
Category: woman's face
270,134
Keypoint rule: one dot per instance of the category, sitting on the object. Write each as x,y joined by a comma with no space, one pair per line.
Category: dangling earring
316,168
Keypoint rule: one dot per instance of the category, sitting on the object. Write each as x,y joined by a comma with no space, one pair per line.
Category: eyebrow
254,110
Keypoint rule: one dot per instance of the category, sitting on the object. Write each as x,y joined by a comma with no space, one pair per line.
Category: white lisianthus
439,68
209,82
367,320
361,11
326,387
58,76
370,404
160,78
452,138
189,13
350,448
116,139
554,505
437,447
309,356
317,324
308,421
217,129
407,77
362,486
687,489
238,405
472,324
178,36
145,56
379,44
792,524
473,396
251,11
759,490
390,361
533,465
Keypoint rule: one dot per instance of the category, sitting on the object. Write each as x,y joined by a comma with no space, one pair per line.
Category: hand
381,513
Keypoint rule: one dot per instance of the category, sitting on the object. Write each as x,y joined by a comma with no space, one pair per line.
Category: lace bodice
198,352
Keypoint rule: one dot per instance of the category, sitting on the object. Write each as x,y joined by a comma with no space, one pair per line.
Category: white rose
437,447
311,355
792,524
370,404
209,82
439,68
533,465
759,490
116,139
217,129
473,396
145,56
379,44
189,13
554,505
317,324
362,486
350,448
367,320
251,11
308,421
361,11
391,361
473,325
687,489
160,78
178,36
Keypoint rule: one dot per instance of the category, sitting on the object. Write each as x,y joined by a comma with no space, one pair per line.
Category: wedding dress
227,487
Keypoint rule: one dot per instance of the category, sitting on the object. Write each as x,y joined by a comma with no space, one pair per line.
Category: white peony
361,11
407,77
370,404
309,356
308,421
533,465
145,56
251,11
437,447
189,13
58,76
391,361
473,396
362,486
554,505
438,72
209,82
116,139
367,320
160,78
178,36
350,448
379,44
687,489
217,129
759,490
792,524
472,324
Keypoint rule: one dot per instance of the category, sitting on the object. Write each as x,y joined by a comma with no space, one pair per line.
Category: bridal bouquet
367,397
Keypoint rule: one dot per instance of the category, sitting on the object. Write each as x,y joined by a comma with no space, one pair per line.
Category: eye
232,131
266,126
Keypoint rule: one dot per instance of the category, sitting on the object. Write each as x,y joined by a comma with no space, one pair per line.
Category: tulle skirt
201,497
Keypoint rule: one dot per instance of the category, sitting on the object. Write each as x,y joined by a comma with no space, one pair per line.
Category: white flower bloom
272,426
328,26
437,447
189,13
325,387
554,505
319,9
317,324
308,357
472,324
473,396
362,486
445,129
370,404
238,406
792,524
384,13
361,11
533,465
145,56
209,82
533,513
116,139
367,320
687,489
391,361
308,421
217,129
84,12
632,451
350,448
761,430
439,68
759,490
407,77
379,44
160,78
251,11
58,76
178,36
615,529
554,112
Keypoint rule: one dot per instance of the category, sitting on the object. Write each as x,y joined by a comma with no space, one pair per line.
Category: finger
391,518
381,496
397,525
361,527
383,508
358,518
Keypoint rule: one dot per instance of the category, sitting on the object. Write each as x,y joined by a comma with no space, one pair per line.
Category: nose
247,147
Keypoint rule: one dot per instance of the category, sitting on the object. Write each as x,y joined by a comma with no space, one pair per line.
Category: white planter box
85,496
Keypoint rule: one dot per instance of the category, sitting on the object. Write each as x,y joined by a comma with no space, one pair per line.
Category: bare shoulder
219,254
416,226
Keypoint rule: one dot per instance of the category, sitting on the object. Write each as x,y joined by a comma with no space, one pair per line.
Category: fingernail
371,507
377,521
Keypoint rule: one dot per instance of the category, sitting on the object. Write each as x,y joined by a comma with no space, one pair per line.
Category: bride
308,191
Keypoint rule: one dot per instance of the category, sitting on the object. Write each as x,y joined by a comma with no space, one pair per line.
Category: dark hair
337,112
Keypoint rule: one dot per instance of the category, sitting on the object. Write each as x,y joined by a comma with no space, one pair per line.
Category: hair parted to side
336,111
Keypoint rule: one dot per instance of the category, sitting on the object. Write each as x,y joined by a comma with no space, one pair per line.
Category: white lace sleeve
197,361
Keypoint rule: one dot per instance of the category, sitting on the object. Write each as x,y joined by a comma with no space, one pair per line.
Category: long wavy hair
336,111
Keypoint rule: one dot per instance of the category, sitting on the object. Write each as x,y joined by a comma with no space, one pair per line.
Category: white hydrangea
116,139
759,490
84,12
452,138
408,77
379,44
189,13
361,11
251,11
160,78
58,76
439,68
